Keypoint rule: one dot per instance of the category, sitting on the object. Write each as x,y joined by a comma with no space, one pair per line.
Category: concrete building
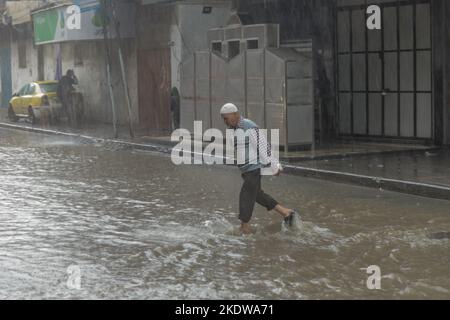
17,56
386,85
32,58
162,34
84,51
168,32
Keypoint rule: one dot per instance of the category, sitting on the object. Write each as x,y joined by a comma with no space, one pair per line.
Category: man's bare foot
245,229
284,212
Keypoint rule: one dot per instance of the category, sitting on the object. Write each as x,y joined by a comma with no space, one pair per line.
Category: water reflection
139,227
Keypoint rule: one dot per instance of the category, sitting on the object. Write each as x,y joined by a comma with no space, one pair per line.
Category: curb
401,186
357,154
162,148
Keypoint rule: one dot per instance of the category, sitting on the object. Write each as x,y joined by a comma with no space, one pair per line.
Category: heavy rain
97,96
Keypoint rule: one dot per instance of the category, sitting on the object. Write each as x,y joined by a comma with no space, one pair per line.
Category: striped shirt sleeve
265,150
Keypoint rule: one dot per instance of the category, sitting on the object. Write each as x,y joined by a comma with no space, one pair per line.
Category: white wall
22,76
189,29
91,75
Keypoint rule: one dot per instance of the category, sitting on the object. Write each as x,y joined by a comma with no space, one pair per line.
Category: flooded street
138,227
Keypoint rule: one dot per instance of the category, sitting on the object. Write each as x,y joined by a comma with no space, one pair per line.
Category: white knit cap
229,108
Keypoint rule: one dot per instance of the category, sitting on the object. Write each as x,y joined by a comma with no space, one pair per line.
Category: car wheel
12,115
31,115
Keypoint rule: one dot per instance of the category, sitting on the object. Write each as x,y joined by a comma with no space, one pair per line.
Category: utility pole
105,19
122,66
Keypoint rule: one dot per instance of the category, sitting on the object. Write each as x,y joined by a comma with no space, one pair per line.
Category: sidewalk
432,167
418,170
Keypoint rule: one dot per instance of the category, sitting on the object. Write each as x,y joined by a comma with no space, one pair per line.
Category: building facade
388,84
167,33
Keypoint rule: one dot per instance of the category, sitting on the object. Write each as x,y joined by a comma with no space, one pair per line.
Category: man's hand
279,170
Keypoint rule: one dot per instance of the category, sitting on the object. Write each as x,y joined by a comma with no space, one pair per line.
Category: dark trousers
251,192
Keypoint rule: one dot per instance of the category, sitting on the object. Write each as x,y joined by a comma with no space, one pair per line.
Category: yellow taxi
36,101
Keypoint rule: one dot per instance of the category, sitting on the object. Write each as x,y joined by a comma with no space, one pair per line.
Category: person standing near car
65,87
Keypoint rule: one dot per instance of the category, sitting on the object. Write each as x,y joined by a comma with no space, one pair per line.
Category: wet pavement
352,148
403,162
138,227
431,167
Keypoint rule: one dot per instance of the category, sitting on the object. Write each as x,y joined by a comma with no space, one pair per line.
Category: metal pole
122,67
446,74
111,95
108,67
286,119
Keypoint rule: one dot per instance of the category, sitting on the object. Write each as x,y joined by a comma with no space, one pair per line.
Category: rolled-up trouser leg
265,200
250,193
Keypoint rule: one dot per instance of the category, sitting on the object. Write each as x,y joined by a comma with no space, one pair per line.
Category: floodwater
131,225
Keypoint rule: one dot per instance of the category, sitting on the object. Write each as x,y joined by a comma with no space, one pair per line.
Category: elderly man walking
251,191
